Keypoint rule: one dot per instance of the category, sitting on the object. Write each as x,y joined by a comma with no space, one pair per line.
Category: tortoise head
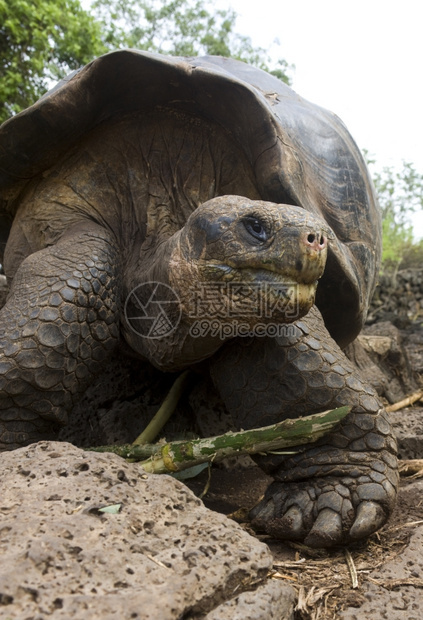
249,260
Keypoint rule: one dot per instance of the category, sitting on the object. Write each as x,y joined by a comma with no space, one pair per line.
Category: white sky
362,59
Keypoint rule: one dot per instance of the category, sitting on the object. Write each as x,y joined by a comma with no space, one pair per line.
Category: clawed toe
370,517
292,525
326,531
263,512
283,515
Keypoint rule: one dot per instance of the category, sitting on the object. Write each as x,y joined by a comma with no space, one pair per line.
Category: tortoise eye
256,228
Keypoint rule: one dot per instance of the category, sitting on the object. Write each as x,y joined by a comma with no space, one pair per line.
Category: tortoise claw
326,531
282,514
370,517
263,511
292,524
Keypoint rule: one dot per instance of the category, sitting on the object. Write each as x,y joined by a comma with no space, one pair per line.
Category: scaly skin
63,317
58,326
344,487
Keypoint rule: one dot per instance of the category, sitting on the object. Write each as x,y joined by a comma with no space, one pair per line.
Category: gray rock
163,555
398,297
408,429
272,600
4,290
382,357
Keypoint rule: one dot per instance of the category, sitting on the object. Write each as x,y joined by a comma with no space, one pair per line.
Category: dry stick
413,467
180,455
351,568
406,402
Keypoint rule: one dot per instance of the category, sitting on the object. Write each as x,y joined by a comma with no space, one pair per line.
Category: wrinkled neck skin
178,349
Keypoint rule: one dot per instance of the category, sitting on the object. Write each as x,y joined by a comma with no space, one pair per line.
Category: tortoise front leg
343,487
58,326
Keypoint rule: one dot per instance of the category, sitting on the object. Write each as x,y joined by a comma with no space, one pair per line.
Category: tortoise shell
301,154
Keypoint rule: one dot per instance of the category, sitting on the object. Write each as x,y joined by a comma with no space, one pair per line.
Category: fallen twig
411,468
351,568
391,584
406,402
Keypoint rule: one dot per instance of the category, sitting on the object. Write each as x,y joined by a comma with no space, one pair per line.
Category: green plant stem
179,455
166,409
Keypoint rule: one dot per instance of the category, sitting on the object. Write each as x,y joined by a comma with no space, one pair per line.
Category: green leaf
191,472
113,509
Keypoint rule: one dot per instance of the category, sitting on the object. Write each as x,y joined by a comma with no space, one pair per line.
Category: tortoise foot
324,512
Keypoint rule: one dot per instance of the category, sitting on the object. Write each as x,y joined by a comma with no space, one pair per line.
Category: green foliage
413,256
397,238
400,194
40,41
43,40
180,28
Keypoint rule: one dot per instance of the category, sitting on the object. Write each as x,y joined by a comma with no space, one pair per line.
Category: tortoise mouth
253,295
291,277
262,274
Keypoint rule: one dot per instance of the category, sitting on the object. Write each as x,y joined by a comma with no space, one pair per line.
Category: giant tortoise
150,195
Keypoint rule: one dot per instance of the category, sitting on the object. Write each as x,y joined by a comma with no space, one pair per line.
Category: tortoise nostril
316,241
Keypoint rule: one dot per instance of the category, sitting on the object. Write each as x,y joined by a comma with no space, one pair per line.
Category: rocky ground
157,551
162,553
86,535
379,578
